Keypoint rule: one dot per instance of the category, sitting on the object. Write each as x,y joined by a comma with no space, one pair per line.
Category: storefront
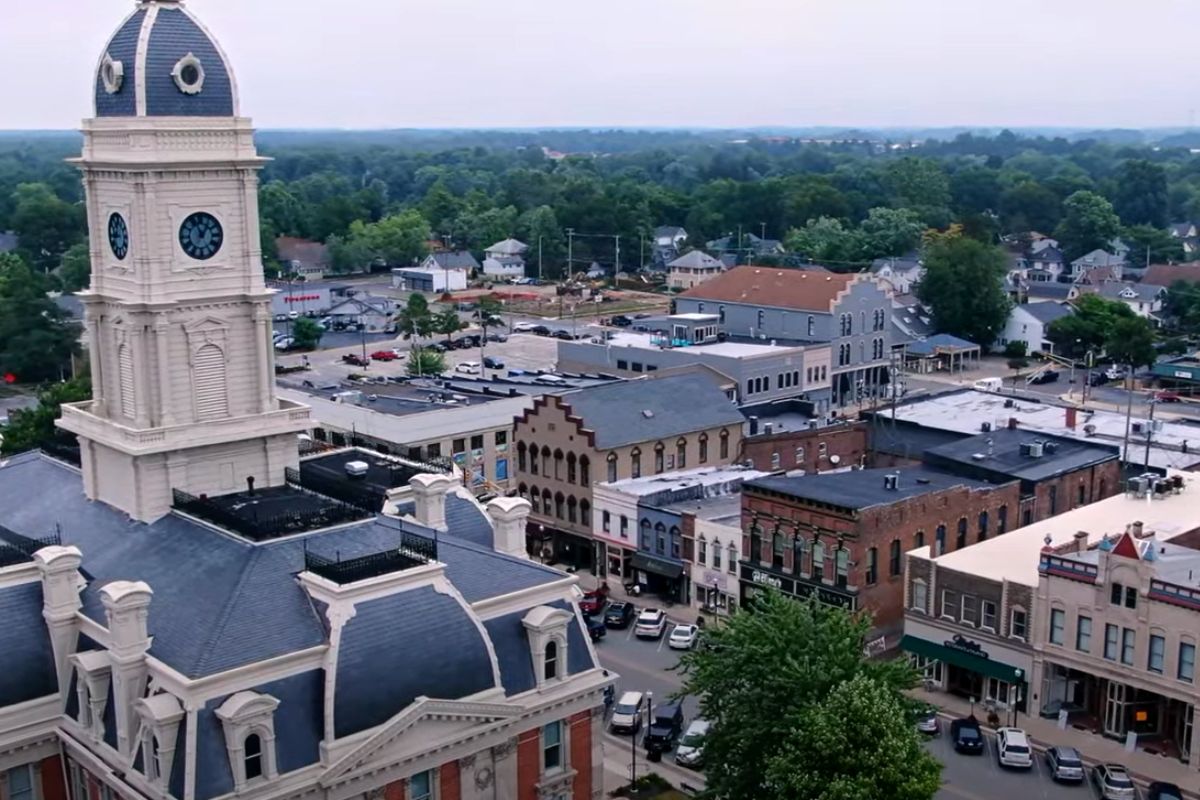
978,670
551,545
756,577
715,591
659,576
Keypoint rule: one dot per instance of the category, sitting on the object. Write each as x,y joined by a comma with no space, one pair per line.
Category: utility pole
1128,416
617,257
539,259
764,229
642,252
570,250
1149,435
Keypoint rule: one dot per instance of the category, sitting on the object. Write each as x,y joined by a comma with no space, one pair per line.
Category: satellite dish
835,460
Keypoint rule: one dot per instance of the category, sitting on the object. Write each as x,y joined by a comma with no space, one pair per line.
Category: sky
662,63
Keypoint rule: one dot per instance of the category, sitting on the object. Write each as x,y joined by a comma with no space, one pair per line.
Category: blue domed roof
162,62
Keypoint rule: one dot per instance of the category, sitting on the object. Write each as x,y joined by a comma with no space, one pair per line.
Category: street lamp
1017,696
633,736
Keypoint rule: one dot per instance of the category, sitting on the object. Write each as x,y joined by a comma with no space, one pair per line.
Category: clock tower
177,314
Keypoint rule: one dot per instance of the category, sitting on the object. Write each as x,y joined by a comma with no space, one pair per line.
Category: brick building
843,535
821,449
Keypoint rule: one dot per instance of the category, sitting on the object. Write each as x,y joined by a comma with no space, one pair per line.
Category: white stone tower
178,316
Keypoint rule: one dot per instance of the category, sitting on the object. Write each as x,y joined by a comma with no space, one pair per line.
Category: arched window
676,538
570,467
559,501
547,502
585,471
702,556
681,453
208,379
252,755
703,448
939,540
551,660
841,565
716,554
818,561
961,541
721,314
644,535
571,507
724,444
658,458
812,325
521,463
872,574
612,467
919,539
798,552
894,558
635,458
777,549
535,500
523,491
546,460
762,321
558,460
585,512
755,543
533,460
983,525
660,538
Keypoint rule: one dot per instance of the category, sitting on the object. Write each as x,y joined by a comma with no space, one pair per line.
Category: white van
989,384
627,714
1012,748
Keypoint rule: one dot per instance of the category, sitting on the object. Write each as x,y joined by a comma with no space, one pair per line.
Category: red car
1167,397
593,602
356,360
383,355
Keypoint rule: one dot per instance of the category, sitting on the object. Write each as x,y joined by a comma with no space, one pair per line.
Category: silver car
1064,764
1114,782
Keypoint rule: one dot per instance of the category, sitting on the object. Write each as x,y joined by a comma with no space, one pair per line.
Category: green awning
961,658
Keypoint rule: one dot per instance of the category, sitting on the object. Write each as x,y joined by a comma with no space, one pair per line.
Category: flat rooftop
1014,556
730,348
326,473
706,477
866,488
1008,452
964,411
268,513
722,508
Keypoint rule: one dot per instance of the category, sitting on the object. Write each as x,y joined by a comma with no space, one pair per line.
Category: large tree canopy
37,338
964,287
777,681
1089,223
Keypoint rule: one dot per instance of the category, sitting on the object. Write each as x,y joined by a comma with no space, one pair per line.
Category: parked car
435,347
683,637
398,353
1013,748
593,602
468,368
1113,782
523,327
281,317
1097,379
384,355
650,623
1064,764
966,736
1160,790
690,752
355,360
497,337
927,720
540,330
1115,373
665,729
627,713
621,321
491,362
284,343
619,615
564,335
1045,376
293,315
1167,397
596,628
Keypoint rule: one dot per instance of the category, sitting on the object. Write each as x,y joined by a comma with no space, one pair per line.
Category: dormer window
93,675
160,715
546,628
252,757
248,719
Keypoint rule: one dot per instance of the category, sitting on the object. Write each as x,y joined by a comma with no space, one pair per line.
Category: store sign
300,298
965,645
766,579
801,588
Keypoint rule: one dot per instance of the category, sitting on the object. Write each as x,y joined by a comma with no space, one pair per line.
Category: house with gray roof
1144,299
460,260
692,269
1029,322
900,274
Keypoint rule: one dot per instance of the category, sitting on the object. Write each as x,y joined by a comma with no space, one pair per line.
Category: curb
1138,778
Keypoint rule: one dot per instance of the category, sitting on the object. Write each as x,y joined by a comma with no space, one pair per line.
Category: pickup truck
593,602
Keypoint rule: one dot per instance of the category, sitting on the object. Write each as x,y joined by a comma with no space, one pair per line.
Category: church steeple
178,321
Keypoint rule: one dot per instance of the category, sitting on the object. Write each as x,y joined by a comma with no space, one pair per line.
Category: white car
468,368
1013,749
627,715
523,327
284,343
293,315
690,752
650,623
683,637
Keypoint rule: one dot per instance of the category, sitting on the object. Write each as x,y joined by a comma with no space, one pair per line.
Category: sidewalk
1094,748
676,612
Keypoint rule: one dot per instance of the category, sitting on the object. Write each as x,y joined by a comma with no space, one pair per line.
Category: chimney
1012,423
1072,412
1081,540
126,607
509,515
250,485
430,493
60,601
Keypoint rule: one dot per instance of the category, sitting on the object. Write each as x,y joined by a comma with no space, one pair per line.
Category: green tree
891,231
477,228
542,223
37,338
75,271
803,661
490,310
1183,305
1030,206
415,320
31,428
855,744
1089,223
919,184
447,322
1148,244
46,224
827,239
396,240
1131,341
964,287
422,361
1140,194
1088,328
307,333
440,206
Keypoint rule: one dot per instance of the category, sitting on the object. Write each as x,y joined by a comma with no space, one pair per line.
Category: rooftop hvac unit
1036,449
1089,430
1138,428
357,469
1051,448
986,427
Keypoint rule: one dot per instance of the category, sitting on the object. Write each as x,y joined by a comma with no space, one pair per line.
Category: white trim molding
244,715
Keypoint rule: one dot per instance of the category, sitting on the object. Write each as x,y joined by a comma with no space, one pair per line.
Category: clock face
118,236
201,236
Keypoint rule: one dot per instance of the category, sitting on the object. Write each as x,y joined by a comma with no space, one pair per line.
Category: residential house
306,259
1044,264
975,620
1144,299
432,279
1049,292
567,443
1115,256
1170,274
665,246
456,260
850,312
504,267
748,246
1189,237
508,247
841,536
899,275
369,312
692,269
1029,322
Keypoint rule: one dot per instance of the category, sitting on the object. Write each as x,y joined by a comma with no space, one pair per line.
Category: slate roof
508,247
808,290
628,412
1049,290
908,263
160,42
466,519
1098,258
1167,274
696,259
512,649
229,602
1046,313
860,489
29,671
461,259
1146,292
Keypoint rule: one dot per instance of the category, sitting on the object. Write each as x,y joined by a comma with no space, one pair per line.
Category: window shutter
208,375
125,374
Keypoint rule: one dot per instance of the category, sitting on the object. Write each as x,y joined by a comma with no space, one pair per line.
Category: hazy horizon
649,64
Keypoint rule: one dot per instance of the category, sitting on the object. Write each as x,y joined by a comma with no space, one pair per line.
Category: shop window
1058,626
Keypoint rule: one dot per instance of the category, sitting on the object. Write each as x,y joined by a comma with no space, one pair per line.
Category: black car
435,347
619,615
1097,379
665,730
492,363
540,330
596,628
966,736
469,340
1045,376
566,335
1159,790
621,321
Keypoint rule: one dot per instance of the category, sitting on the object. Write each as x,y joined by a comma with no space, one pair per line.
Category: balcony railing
1068,568
265,527
18,549
339,489
1175,594
414,551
